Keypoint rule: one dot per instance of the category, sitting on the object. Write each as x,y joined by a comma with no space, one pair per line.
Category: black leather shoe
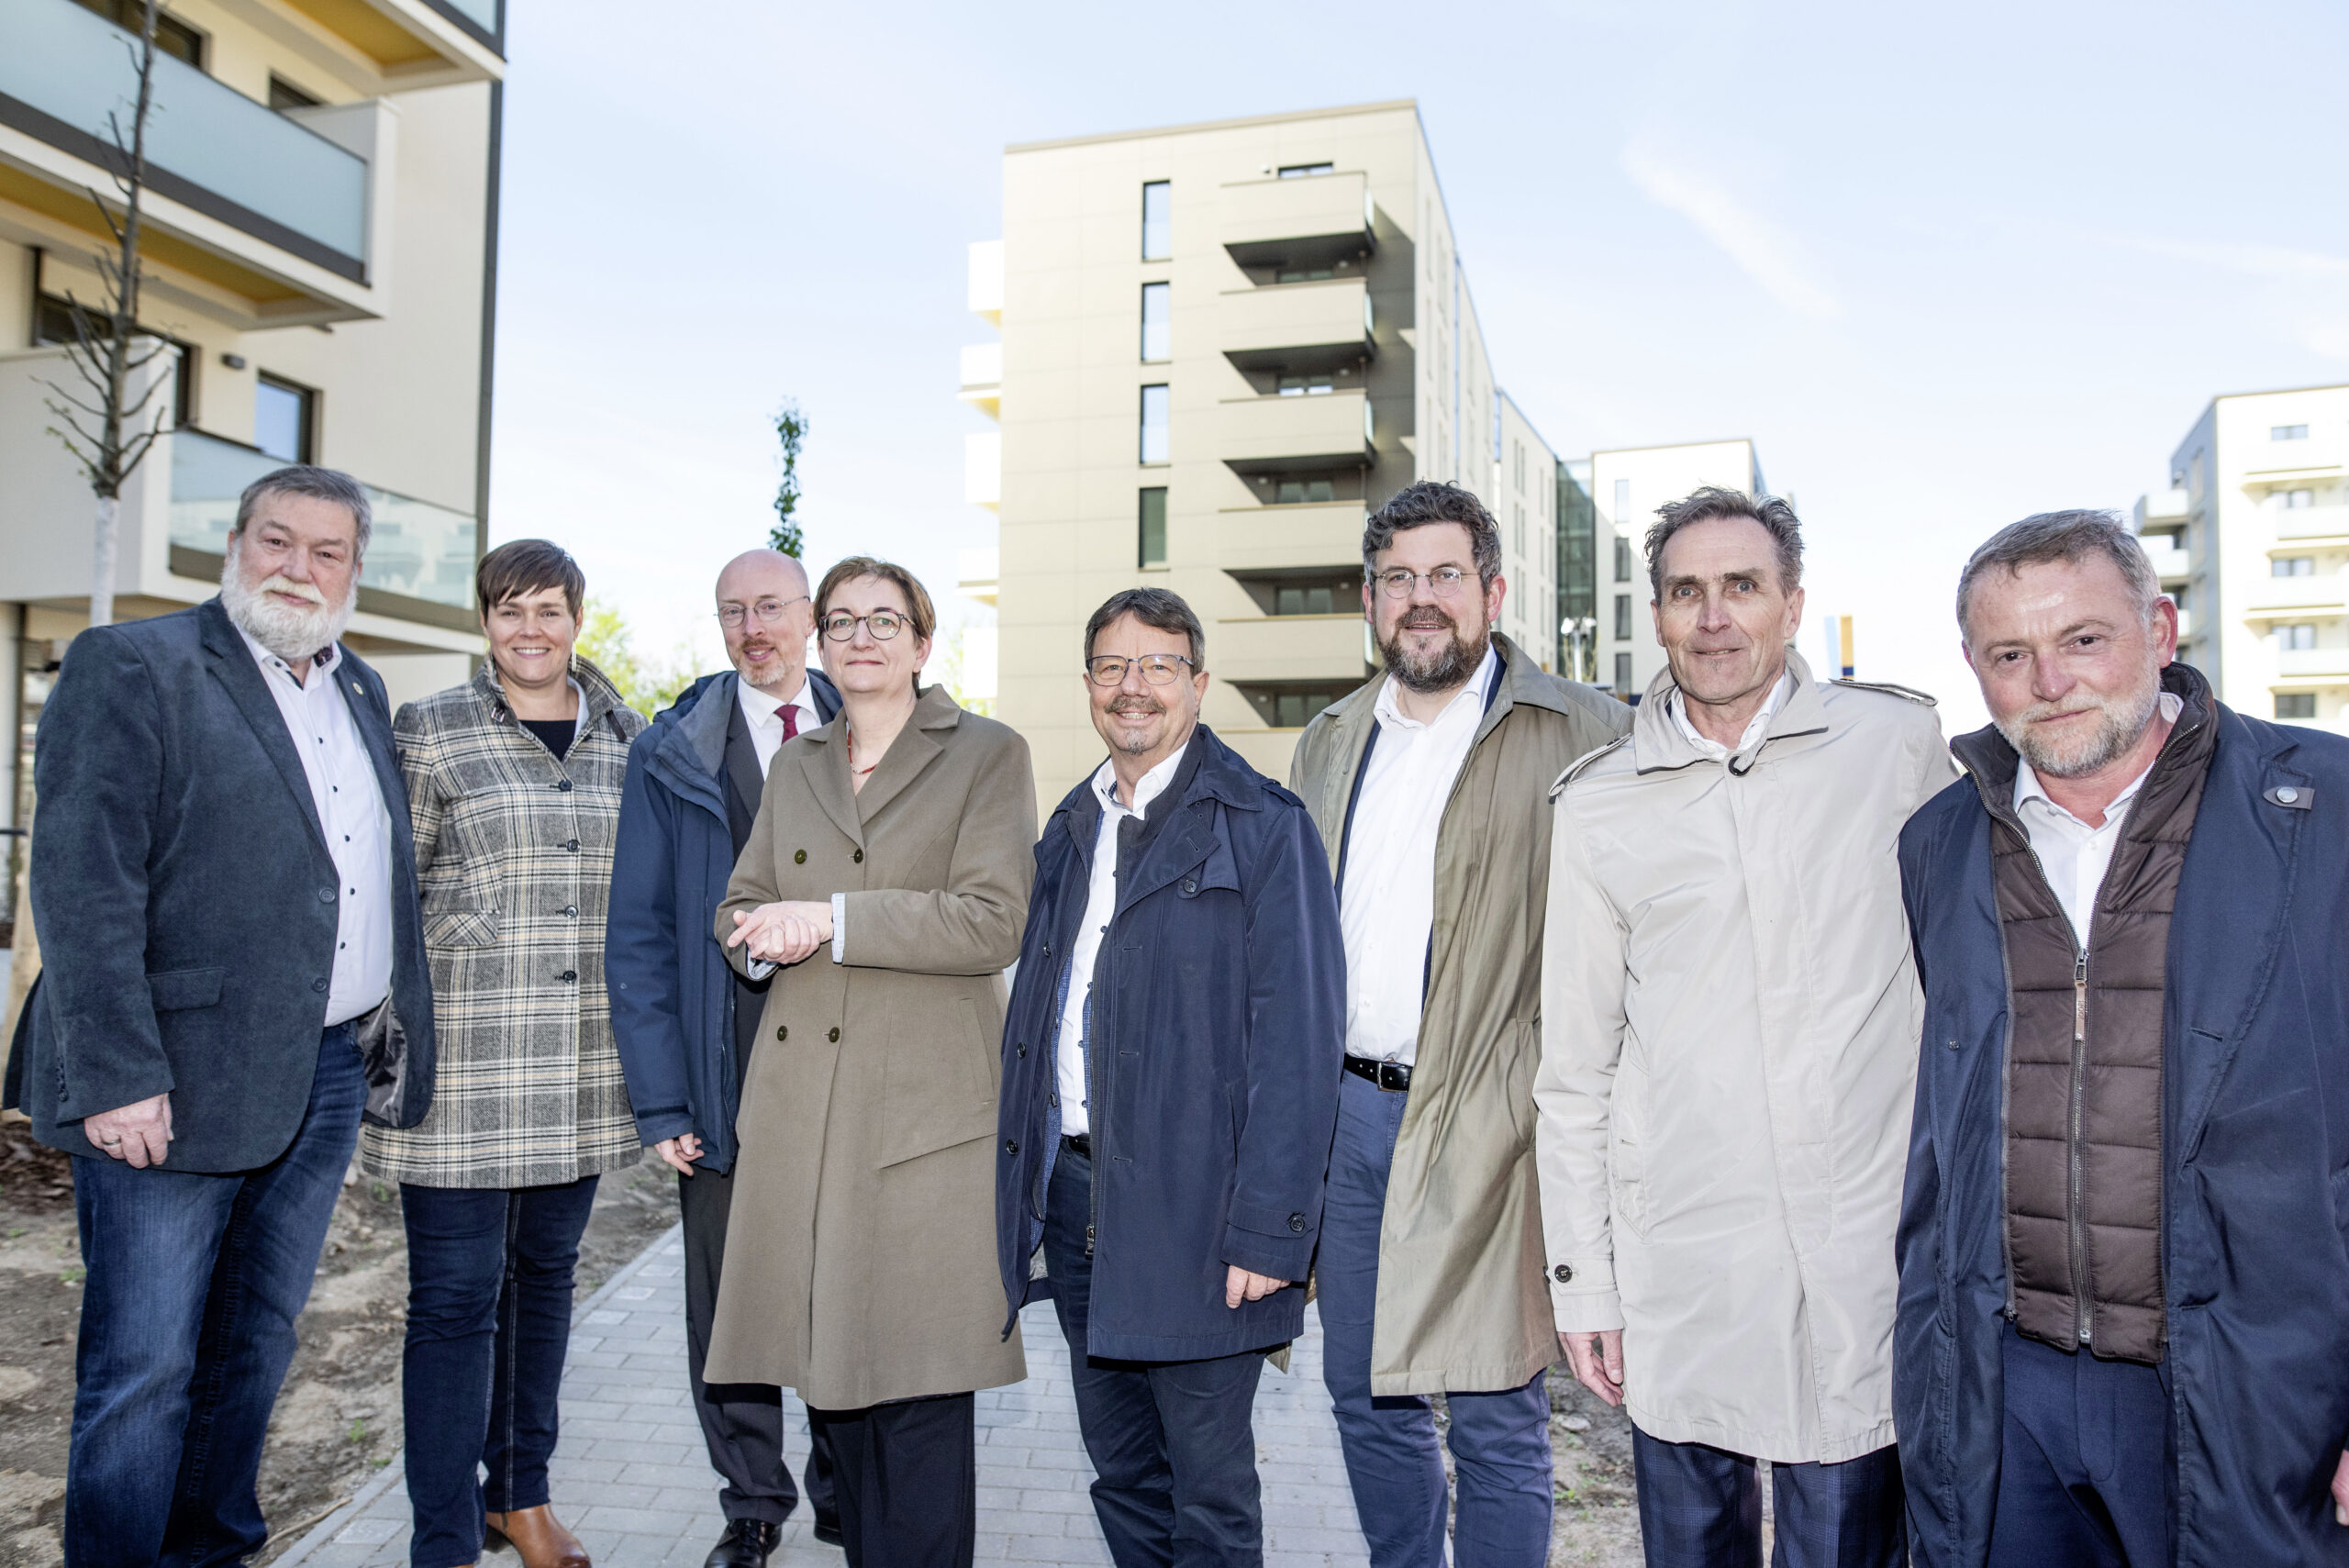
745,1544
828,1530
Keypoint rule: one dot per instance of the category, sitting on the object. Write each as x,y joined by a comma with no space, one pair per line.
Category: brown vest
2084,1064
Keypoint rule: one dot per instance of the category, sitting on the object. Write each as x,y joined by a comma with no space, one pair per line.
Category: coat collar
916,745
1354,717
232,664
1657,743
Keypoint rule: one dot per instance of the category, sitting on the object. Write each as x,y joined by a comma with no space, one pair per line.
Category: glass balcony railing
417,549
71,68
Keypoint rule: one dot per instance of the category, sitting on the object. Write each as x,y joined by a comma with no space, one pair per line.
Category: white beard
292,634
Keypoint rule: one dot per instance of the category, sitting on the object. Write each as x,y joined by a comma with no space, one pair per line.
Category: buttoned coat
1731,1012
1462,1303
860,1260
514,856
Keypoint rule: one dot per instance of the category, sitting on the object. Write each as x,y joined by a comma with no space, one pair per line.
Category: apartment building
321,221
1624,488
1221,346
2252,540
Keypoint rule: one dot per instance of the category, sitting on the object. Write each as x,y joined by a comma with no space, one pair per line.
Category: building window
173,37
1153,528
1306,275
1622,617
2287,432
1305,170
1157,322
2296,638
284,95
1314,384
1299,492
1622,503
53,324
1623,674
1622,559
2292,566
2296,705
2292,500
1157,221
1519,524
285,421
1338,596
1153,423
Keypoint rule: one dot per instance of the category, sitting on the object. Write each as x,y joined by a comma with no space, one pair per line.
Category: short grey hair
1433,501
318,484
1712,502
2074,537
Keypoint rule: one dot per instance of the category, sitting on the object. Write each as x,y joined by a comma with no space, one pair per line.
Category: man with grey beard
225,887
2124,1239
1428,783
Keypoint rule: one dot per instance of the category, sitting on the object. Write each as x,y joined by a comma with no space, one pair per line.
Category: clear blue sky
1947,266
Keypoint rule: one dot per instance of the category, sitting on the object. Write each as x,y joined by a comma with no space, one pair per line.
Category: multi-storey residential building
321,221
1221,346
1625,487
1523,499
2252,540
1577,545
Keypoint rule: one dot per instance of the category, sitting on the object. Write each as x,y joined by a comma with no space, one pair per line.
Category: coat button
1011,1146
568,975
1297,1223
317,984
1023,1047
2288,794
1562,1273
572,844
783,1031
571,910
563,784
1052,1100
799,857
859,857
835,1036
1190,884
326,895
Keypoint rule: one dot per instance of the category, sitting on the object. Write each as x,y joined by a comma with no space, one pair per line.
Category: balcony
1270,435
1281,538
1311,222
1296,326
978,573
2305,666
2170,561
983,469
2166,508
985,295
1256,648
276,211
983,378
2280,597
2299,523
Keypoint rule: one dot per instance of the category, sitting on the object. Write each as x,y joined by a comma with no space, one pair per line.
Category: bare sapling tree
103,422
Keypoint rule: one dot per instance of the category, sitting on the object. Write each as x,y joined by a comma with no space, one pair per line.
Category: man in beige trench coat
1731,1014
1428,784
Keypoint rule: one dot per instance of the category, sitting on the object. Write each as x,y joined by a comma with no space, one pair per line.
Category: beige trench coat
1732,1017
1461,1304
861,1261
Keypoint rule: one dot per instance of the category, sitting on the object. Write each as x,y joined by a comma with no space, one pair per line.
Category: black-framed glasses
769,611
839,626
1158,669
1443,581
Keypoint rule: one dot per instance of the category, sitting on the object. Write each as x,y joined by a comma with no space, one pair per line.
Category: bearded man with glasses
1428,785
1170,1076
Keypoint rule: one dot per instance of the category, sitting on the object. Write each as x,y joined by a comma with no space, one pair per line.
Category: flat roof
1390,106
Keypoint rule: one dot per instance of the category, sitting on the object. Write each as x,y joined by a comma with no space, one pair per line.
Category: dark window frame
1149,499
172,36
284,95
52,312
307,448
1167,222
1143,426
1167,295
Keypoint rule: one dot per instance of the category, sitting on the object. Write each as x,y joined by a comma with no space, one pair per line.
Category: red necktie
789,714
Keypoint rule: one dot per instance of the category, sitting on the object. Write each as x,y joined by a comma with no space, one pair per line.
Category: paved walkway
633,1480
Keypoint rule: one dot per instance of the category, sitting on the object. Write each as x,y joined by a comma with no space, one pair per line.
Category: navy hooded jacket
1218,1018
2255,1164
671,993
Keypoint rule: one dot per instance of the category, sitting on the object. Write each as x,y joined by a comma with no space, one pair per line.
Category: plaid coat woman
514,856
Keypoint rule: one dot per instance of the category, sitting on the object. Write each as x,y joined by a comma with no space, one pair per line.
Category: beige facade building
1221,346
321,243
2252,540
1625,487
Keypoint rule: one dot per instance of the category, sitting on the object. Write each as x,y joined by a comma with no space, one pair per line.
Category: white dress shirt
351,813
1388,910
1755,727
1100,904
2074,856
764,716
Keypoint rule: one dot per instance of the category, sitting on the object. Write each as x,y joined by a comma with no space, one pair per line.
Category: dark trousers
489,1279
1172,1441
742,1423
2083,1464
907,1476
191,1283
1500,1440
1701,1507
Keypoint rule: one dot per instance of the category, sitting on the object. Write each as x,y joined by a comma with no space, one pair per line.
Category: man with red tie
685,1023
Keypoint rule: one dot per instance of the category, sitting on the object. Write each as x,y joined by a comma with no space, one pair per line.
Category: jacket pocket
983,1055
459,928
176,989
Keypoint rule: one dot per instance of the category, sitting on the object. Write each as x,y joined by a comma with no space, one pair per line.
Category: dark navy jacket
186,902
2255,1164
671,993
1218,1016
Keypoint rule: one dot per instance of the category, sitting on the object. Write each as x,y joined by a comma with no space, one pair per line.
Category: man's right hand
137,1133
679,1152
1597,1362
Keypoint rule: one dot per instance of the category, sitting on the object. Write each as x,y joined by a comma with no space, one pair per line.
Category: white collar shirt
357,829
764,716
1755,727
1100,904
1387,911
2072,855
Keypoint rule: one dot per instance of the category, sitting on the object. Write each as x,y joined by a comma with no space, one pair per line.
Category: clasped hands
784,933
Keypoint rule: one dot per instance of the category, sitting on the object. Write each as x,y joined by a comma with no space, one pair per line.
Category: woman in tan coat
888,873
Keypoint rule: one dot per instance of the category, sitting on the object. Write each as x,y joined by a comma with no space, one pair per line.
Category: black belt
1392,1075
1082,1142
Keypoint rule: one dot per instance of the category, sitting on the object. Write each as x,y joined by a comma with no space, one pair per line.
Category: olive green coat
860,1260
1463,1304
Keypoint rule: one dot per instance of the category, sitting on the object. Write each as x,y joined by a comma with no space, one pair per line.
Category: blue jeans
1501,1440
1171,1440
1701,1507
2084,1470
489,1275
194,1281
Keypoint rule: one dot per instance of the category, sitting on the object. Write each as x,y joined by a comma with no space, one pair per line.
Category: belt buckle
1393,1076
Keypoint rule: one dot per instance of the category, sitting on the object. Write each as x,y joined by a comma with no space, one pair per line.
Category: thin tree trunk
102,561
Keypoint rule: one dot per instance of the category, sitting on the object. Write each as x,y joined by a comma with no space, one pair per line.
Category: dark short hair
1155,609
318,484
1433,501
1711,502
528,566
2073,536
